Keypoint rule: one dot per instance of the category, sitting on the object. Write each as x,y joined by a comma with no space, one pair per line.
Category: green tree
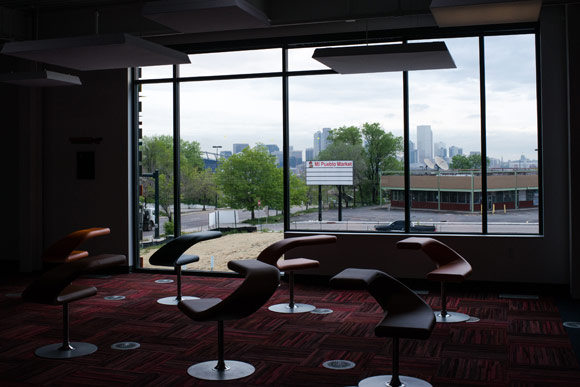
472,161
381,150
349,135
199,186
248,177
166,194
157,154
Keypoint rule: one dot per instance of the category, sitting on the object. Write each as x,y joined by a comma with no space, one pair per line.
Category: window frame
331,40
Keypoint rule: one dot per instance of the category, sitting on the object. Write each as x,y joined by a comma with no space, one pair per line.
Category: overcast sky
221,113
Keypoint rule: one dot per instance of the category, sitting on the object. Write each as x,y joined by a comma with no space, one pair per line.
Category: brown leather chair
261,281
172,254
406,315
451,267
64,250
273,255
54,287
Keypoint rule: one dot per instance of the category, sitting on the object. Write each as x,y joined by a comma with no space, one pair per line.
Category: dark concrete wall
99,110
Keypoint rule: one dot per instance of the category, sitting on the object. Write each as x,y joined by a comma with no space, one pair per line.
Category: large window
249,125
445,129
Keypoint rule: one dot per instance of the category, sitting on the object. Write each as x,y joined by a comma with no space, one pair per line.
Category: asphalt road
365,218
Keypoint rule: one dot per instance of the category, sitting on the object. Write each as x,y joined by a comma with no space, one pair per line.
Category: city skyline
430,146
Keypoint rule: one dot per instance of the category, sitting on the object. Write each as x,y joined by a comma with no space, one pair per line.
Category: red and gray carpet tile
516,342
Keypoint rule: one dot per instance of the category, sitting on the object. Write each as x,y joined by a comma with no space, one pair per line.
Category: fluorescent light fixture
40,79
455,13
193,16
385,58
96,52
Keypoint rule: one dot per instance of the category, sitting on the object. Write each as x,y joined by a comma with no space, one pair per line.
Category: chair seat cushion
196,309
413,324
186,259
297,264
455,271
75,292
352,278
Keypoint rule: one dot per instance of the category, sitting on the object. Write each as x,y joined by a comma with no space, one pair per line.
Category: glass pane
444,132
512,134
236,127
234,62
351,118
156,72
156,171
300,59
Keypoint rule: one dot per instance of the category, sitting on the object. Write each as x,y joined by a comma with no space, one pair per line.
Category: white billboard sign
329,172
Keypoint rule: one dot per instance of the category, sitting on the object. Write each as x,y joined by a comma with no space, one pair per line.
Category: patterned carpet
516,343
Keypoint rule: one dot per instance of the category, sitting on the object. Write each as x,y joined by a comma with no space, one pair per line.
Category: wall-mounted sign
329,172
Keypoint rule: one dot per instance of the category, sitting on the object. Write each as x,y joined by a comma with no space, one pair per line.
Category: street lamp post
216,147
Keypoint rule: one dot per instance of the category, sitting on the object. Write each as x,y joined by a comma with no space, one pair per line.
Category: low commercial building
461,190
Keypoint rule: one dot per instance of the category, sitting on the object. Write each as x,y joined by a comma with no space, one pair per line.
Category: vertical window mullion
285,138
483,135
407,159
539,153
176,155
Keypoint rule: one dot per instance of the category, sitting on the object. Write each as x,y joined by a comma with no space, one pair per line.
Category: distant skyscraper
272,148
297,156
474,153
279,158
454,150
424,143
320,140
412,153
240,147
309,153
440,149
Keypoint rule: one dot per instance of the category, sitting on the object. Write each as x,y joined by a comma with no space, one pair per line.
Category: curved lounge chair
64,250
451,267
406,316
261,281
273,255
54,288
172,254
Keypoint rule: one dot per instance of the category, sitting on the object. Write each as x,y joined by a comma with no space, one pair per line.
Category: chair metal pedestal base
174,300
234,370
54,351
383,380
285,308
450,317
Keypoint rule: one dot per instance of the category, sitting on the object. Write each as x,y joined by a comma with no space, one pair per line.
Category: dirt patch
227,248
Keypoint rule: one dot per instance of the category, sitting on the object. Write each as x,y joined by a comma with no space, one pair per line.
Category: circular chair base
54,351
285,308
383,380
235,370
451,317
174,301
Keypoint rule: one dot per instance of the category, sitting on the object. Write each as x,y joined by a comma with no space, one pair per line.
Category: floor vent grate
338,364
125,345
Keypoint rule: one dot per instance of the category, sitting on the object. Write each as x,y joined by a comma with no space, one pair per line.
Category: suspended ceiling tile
40,79
455,13
206,15
96,52
386,58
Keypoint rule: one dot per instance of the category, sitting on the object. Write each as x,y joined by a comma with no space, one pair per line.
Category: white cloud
250,110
